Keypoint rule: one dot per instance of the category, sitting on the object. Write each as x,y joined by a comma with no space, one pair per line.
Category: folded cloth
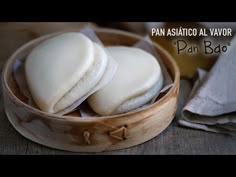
212,102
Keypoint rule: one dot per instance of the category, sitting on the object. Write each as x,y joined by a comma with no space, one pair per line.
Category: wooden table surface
173,140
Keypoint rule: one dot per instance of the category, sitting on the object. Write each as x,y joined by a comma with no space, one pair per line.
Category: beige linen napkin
212,102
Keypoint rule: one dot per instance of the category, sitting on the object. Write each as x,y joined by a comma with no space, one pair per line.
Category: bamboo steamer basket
90,134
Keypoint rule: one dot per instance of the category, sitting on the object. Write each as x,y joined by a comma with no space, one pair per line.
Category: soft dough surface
56,65
88,81
138,78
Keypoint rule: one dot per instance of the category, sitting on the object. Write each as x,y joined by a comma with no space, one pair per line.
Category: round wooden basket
90,134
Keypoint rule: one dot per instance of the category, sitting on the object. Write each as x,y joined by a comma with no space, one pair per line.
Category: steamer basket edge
93,135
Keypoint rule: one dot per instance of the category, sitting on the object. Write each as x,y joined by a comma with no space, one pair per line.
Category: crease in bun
140,100
87,82
137,80
64,70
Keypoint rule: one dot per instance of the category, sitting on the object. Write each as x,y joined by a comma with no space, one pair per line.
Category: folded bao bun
137,80
64,70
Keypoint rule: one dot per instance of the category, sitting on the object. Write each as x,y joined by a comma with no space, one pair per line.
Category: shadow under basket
90,134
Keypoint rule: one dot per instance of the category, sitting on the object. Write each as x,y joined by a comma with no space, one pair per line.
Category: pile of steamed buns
69,68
